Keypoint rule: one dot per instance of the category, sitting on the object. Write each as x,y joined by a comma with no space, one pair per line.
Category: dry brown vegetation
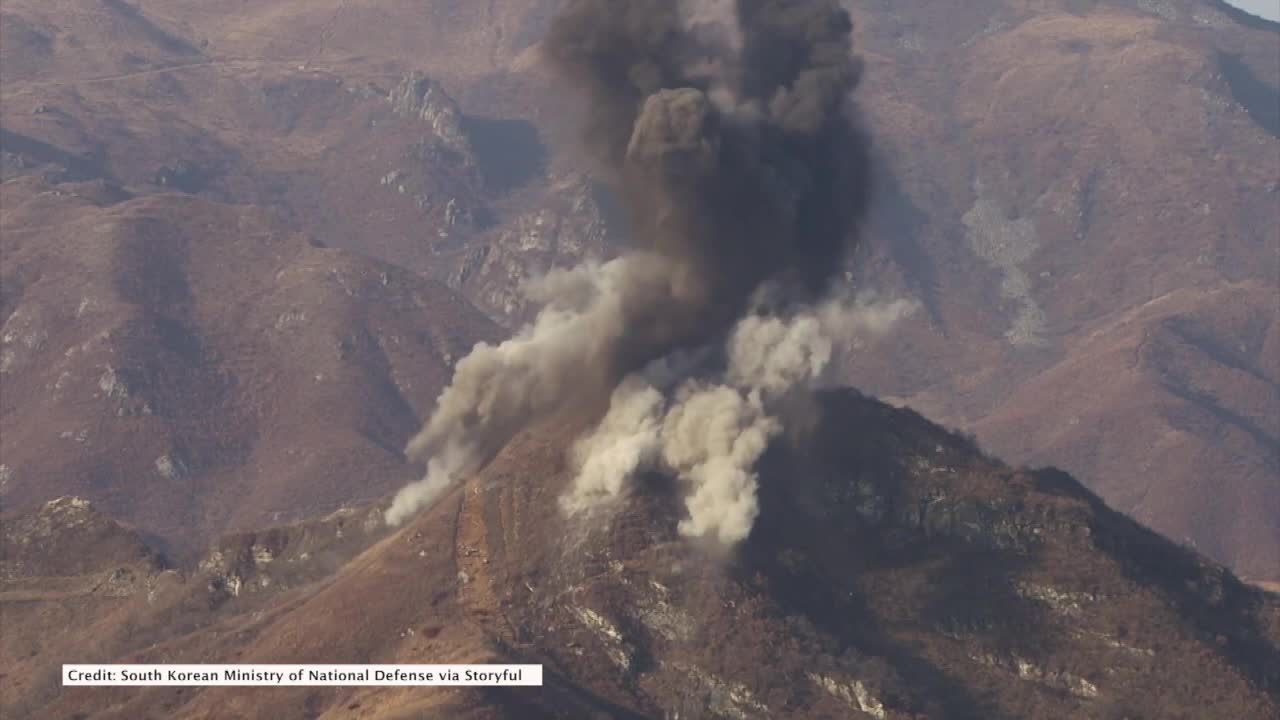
894,571
1083,197
224,293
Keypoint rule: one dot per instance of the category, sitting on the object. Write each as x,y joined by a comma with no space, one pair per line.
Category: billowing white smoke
865,316
547,365
772,354
626,440
710,434
712,437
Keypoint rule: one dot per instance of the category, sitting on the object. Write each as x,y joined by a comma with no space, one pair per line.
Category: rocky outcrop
422,98
568,227
439,171
68,537
285,557
854,694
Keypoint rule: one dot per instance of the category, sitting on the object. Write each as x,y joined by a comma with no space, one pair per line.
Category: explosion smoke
733,148
712,433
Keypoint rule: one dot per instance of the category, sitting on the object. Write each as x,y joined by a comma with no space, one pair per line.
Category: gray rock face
567,228
440,172
421,97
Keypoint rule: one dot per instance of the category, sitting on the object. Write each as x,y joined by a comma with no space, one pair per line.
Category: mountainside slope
854,597
1082,195
193,366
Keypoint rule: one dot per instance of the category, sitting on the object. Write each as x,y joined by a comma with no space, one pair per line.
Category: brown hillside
192,366
1063,183
854,597
1084,197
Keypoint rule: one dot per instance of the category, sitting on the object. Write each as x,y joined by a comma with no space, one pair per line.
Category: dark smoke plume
737,167
730,139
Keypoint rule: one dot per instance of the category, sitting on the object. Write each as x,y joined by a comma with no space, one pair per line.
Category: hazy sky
1269,9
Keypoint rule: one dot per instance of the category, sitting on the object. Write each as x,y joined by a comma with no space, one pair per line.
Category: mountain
195,366
244,247
1082,195
895,572
224,290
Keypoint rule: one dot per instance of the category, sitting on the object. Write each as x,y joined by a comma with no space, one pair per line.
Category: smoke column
726,129
715,425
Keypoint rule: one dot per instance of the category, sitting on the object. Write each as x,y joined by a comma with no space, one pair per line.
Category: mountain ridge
288,107
857,585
